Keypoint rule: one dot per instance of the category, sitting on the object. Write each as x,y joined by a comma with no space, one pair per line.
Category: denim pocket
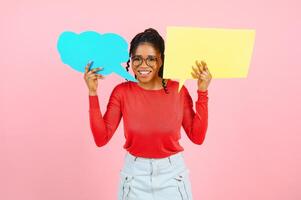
183,187
125,185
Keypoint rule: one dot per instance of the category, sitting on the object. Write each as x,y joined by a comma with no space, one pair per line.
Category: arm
103,127
195,123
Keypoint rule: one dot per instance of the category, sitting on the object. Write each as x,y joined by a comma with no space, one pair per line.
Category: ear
160,62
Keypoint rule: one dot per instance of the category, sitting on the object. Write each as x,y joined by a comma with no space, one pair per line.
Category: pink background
252,147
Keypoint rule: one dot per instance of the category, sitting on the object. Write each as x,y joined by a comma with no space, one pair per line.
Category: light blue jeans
154,179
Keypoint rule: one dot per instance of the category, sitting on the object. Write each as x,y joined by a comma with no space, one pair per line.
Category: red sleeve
103,127
195,123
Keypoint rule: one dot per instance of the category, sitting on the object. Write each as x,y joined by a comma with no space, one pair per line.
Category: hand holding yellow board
227,52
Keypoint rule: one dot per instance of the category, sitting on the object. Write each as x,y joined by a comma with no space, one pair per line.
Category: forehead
145,49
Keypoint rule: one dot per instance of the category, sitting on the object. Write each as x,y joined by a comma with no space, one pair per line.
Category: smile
144,72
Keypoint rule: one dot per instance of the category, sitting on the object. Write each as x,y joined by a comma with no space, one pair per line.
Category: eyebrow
147,55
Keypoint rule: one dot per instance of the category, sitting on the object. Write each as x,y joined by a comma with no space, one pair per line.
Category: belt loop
169,160
135,158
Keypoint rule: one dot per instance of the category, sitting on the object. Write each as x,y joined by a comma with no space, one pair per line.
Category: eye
136,59
151,58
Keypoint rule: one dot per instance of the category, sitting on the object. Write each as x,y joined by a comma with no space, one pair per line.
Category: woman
153,112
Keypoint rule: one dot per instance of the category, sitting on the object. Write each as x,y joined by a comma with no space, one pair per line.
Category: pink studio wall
47,150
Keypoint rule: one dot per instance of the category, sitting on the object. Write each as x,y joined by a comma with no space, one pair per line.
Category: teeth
144,72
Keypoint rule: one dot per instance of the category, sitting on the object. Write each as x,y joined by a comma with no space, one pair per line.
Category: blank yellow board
227,52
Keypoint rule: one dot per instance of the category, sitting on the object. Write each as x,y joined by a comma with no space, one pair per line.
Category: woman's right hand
91,77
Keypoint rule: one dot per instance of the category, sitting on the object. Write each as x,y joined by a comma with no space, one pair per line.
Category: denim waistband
171,159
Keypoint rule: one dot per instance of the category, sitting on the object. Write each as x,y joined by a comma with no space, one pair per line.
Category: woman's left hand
202,74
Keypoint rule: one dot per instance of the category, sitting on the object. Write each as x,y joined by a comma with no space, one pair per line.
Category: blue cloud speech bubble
107,50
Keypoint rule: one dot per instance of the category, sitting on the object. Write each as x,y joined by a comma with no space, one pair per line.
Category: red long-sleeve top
152,119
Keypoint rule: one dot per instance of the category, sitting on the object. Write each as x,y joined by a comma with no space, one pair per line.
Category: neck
155,84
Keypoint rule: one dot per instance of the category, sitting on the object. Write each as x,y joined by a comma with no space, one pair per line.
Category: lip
144,75
144,70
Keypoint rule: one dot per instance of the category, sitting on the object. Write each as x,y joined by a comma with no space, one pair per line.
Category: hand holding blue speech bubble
107,50
91,78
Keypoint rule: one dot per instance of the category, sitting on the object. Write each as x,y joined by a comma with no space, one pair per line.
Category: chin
145,80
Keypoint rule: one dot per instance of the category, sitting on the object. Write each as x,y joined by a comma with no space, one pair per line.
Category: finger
98,69
194,75
95,76
206,69
100,75
200,69
208,72
92,77
205,73
95,70
196,71
203,63
205,66
88,66
197,63
203,78
200,66
86,69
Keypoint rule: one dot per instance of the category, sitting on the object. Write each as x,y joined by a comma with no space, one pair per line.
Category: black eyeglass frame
144,59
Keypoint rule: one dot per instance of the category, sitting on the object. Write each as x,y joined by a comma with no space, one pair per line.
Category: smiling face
145,73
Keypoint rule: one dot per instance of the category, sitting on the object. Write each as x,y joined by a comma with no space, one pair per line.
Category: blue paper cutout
107,50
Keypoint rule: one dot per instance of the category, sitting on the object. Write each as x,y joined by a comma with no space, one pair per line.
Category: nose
144,63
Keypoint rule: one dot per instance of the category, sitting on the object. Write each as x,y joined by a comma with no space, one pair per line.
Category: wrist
92,93
202,90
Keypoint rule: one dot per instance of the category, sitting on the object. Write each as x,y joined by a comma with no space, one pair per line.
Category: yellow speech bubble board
227,52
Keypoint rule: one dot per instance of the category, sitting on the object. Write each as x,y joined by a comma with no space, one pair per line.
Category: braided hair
152,36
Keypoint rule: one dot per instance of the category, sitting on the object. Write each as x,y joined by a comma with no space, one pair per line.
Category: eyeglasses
138,60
